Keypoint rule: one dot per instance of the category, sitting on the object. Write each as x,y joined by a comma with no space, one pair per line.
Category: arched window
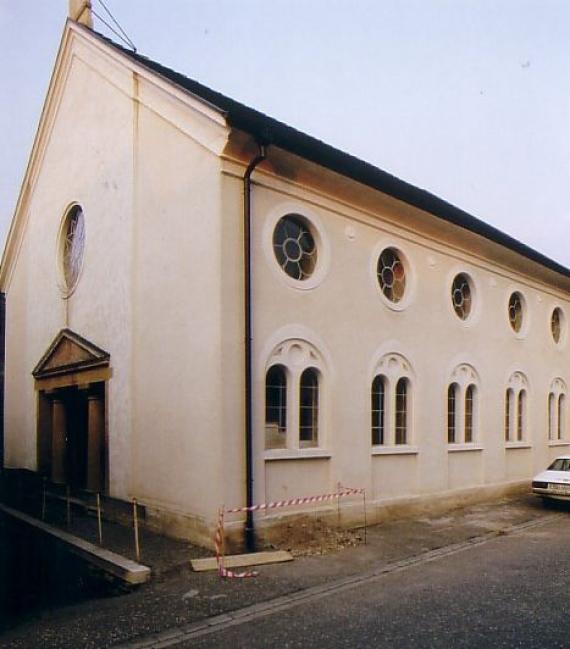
516,425
551,415
378,409
557,410
276,407
401,427
294,383
509,414
469,410
391,395
452,391
462,406
561,408
309,408
521,415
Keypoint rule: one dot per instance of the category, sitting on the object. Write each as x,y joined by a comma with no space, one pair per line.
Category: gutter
248,313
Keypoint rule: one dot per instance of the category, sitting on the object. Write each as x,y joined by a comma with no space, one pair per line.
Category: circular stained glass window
391,275
556,324
72,244
461,296
294,246
516,311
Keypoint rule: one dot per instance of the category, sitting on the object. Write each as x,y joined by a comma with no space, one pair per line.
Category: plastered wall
344,314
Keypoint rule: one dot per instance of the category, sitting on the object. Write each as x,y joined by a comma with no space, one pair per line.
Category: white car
555,481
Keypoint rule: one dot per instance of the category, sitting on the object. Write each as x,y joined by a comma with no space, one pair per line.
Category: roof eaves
271,131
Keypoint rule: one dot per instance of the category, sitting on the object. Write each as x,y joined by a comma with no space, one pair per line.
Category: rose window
556,324
391,275
72,244
461,296
516,311
294,247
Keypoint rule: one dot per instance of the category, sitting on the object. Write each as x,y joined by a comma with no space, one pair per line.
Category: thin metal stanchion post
99,527
317,531
338,487
44,498
364,506
136,526
223,537
68,505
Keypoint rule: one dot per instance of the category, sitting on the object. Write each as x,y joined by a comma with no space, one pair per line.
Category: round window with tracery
516,311
391,275
71,247
461,296
294,246
556,322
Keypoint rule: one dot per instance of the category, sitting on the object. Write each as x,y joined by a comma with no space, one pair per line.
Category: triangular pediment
69,352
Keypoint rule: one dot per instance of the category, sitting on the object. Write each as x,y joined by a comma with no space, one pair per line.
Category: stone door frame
72,361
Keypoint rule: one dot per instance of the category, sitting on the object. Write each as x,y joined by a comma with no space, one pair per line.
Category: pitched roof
269,131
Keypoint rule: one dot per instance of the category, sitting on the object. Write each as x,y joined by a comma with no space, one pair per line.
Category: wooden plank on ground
242,560
111,562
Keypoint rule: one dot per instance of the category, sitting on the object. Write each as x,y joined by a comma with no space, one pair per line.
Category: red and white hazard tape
218,542
291,502
344,491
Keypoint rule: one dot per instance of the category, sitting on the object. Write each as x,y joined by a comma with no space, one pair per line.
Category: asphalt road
512,591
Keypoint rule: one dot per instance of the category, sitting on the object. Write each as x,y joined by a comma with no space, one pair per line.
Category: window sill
517,445
559,442
395,450
296,454
459,448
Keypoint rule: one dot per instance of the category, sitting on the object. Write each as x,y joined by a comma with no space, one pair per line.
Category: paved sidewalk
181,604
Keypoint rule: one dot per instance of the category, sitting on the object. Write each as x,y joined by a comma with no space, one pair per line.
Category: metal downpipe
249,526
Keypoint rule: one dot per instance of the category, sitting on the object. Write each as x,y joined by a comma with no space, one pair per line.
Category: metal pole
100,529
322,531
364,505
68,505
136,526
338,505
44,499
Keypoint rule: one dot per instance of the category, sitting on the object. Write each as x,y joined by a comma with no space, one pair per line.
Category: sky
468,99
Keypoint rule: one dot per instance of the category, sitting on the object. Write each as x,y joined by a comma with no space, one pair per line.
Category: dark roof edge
267,130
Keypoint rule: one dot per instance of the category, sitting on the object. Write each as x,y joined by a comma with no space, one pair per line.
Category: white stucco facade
158,174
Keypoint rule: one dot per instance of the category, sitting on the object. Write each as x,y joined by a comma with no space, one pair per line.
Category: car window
560,464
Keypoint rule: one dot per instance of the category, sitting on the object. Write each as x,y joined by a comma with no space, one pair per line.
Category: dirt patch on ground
312,536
